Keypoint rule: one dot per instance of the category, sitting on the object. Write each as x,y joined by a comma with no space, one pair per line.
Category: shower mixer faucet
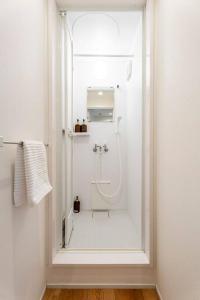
100,148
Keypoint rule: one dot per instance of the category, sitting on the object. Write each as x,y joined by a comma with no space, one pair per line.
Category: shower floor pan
100,230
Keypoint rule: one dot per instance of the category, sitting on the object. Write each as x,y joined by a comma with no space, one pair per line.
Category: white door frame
138,258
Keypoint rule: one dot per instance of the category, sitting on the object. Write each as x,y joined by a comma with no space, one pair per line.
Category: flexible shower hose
107,196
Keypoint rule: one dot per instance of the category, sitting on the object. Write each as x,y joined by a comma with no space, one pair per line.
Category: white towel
31,182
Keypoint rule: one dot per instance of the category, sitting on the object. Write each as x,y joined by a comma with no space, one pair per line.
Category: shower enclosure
102,80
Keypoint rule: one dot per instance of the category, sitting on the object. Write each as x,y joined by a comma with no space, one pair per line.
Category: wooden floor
100,294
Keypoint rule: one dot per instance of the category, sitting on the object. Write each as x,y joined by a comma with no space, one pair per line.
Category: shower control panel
100,148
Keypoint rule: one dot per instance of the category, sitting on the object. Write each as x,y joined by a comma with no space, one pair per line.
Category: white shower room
102,63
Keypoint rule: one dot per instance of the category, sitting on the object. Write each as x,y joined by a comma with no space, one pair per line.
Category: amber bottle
83,126
77,126
77,205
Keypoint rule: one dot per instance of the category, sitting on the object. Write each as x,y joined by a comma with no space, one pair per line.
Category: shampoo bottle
83,126
77,126
76,205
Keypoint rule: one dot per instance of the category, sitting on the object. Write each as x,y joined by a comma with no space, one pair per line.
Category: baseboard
102,286
43,292
158,292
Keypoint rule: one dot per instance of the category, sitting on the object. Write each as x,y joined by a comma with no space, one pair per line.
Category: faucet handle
105,148
95,148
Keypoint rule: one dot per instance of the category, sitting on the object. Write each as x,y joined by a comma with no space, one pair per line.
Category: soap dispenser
76,205
77,126
83,126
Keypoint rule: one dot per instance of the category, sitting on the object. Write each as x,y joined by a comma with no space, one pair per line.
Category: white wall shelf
100,107
76,134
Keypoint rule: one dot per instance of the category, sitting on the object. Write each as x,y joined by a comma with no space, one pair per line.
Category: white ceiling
100,4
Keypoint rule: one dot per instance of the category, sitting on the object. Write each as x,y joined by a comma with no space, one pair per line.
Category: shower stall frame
57,255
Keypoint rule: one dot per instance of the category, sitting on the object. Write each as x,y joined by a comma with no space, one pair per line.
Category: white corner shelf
100,107
74,134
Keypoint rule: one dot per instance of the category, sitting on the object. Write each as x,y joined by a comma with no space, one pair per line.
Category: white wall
86,162
23,107
178,148
104,32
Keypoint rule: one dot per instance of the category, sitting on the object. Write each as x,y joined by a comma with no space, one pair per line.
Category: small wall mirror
100,104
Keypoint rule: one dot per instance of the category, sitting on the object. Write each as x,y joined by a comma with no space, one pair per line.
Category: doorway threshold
137,258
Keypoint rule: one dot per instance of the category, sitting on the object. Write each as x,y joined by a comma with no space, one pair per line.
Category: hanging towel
31,182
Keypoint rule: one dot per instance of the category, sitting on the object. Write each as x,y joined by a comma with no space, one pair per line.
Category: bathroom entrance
102,64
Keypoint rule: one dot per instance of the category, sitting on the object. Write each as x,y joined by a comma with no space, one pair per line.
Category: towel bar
2,142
